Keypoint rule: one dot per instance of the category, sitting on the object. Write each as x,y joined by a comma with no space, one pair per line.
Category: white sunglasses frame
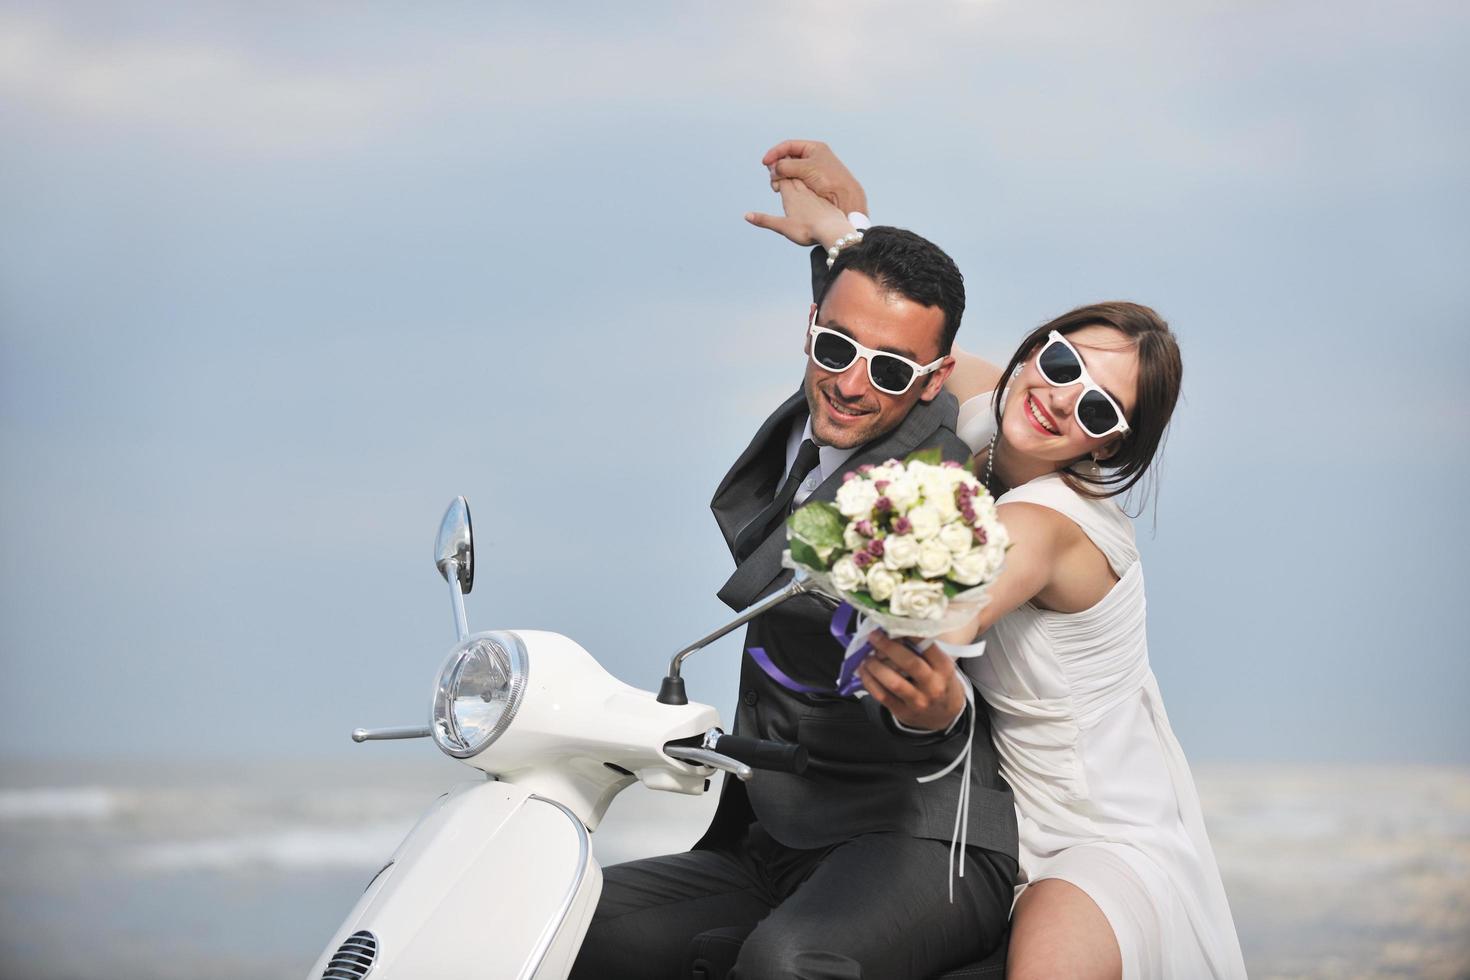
867,353
1085,380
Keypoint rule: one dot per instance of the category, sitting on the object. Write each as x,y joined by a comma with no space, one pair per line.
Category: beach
174,871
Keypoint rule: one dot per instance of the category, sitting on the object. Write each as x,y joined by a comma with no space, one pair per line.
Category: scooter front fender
493,883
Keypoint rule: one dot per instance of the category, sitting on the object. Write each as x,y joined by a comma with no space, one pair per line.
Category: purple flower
883,505
875,547
849,475
951,464
963,492
902,526
865,469
968,513
980,536
865,528
862,559
880,485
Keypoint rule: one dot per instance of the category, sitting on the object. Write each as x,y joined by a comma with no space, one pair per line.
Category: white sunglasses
1061,365
890,373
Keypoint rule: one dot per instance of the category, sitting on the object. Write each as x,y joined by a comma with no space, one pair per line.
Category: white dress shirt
829,460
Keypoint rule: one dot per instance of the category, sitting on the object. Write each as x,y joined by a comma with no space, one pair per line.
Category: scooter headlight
478,692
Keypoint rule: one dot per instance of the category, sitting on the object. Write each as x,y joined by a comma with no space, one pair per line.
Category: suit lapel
754,576
739,497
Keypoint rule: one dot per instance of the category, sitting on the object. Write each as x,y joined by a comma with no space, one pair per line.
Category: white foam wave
317,848
58,803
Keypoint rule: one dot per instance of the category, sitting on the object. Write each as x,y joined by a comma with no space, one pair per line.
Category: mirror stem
456,595
671,691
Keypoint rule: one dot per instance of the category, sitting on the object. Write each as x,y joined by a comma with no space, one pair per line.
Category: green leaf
933,456
863,599
951,589
819,524
803,554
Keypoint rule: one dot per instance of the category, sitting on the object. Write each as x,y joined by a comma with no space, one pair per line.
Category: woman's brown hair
1160,370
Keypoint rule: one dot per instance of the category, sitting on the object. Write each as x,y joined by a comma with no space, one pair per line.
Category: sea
206,870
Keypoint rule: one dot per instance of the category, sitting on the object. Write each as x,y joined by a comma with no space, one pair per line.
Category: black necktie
755,532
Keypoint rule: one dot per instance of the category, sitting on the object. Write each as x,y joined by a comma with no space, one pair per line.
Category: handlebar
738,754
760,753
710,758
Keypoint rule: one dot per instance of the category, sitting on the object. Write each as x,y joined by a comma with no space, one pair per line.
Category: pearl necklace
990,458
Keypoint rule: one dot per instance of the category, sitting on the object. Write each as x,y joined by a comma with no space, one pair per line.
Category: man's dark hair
913,267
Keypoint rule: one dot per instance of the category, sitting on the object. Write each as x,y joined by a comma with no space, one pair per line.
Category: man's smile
844,411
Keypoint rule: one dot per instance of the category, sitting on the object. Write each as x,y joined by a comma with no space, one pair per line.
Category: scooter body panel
493,883
576,719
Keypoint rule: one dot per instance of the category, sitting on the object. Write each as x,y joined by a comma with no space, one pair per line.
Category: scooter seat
712,955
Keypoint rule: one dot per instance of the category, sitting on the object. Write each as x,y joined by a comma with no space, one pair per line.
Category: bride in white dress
1119,876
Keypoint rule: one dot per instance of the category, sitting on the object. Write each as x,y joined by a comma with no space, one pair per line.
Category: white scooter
497,879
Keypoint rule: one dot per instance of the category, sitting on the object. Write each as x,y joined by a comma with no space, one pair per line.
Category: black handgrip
760,753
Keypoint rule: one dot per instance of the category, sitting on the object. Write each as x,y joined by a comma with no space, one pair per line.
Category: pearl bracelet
851,238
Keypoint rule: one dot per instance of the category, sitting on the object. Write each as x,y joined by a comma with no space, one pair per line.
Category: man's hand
921,690
809,220
816,166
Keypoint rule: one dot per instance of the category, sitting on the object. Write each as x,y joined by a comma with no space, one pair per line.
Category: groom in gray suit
841,871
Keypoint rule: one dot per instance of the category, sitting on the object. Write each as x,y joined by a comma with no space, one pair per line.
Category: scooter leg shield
492,883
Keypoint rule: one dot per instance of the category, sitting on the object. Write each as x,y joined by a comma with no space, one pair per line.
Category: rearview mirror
456,544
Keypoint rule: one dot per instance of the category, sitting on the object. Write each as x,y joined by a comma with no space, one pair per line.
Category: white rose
922,473
900,551
939,493
925,522
853,538
971,568
984,506
903,493
881,582
918,600
934,559
957,537
855,498
996,535
888,471
846,575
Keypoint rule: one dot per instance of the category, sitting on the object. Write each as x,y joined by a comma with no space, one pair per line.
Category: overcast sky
276,282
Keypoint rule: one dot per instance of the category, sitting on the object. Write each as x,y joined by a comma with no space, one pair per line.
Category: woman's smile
1041,418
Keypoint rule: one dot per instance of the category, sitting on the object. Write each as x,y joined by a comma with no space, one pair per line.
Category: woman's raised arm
806,219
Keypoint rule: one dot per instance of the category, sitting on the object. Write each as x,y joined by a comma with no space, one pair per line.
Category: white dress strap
1101,520
977,422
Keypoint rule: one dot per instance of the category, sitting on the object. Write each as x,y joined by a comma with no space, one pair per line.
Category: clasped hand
920,690
817,193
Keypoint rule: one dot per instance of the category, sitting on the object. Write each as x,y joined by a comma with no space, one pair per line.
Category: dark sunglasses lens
833,351
891,374
1058,364
1096,414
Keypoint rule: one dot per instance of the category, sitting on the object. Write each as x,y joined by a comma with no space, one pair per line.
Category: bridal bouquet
910,545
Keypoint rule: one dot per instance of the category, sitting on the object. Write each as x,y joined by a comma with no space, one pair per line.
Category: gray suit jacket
862,773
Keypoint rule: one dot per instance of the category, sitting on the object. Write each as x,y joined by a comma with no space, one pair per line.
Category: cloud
1044,84
226,96
231,89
